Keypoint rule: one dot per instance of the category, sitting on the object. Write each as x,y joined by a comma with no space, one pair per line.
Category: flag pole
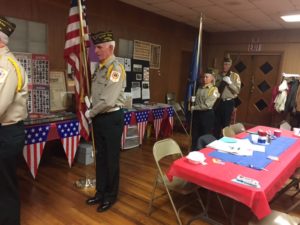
197,66
83,48
85,182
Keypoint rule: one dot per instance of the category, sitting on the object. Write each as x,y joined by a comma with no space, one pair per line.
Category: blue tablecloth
258,160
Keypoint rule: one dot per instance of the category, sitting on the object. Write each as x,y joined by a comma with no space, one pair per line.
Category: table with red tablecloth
218,177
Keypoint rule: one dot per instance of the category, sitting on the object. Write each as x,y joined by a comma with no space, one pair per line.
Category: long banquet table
218,177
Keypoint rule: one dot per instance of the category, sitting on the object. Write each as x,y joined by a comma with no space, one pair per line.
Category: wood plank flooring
52,198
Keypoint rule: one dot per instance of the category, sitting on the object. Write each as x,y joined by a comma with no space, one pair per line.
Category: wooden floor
52,198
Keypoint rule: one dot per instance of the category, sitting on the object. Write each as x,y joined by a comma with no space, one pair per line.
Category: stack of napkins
196,157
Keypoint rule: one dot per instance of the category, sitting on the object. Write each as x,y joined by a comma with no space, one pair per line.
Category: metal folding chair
276,218
162,149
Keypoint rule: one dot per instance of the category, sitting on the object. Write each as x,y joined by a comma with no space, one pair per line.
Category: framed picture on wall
58,91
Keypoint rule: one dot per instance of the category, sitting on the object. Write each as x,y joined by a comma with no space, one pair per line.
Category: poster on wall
136,90
145,90
141,50
58,91
155,56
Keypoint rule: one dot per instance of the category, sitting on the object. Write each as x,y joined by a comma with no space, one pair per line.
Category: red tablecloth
218,178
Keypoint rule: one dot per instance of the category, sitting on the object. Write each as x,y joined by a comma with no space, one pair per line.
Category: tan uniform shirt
206,97
13,106
108,85
231,90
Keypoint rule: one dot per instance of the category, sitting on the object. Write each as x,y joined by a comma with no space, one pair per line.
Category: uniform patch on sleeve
3,73
115,76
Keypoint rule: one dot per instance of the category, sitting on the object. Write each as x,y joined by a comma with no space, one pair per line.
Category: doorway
259,74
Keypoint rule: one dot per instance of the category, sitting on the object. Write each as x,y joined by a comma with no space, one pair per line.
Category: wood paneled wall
126,22
284,42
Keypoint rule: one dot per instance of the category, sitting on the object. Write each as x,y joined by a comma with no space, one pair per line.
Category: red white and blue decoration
69,134
158,118
170,112
142,120
35,139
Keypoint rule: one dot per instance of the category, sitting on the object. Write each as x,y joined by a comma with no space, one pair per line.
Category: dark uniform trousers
12,139
108,128
203,123
223,115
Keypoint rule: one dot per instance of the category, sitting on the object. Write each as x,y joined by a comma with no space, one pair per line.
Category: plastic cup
277,133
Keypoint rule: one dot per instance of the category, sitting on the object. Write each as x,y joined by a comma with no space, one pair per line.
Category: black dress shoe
94,200
104,206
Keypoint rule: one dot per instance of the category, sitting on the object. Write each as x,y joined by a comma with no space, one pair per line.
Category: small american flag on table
127,119
69,134
142,120
158,117
35,139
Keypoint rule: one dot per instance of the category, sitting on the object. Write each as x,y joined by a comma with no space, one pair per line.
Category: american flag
158,117
73,56
69,134
35,139
127,119
142,120
170,112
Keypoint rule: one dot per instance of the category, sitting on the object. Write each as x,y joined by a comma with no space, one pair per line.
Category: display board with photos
37,69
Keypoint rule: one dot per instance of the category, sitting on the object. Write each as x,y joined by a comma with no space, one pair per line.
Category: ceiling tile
224,15
252,15
271,6
173,7
215,12
233,5
194,3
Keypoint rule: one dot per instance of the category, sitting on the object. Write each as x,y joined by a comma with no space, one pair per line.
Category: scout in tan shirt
13,94
203,113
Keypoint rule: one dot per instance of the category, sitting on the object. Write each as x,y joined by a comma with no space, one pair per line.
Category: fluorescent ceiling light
291,18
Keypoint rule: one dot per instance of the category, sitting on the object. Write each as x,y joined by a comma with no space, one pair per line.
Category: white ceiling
225,15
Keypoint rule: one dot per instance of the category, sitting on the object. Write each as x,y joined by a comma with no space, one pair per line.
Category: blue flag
192,79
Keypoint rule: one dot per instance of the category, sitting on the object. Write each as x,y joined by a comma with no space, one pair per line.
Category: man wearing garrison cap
229,85
203,113
108,84
13,110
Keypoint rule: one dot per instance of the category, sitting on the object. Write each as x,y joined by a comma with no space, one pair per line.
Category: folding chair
276,218
162,149
228,132
180,115
237,128
294,182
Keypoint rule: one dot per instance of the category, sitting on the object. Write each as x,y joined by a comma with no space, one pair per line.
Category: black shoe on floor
104,206
94,200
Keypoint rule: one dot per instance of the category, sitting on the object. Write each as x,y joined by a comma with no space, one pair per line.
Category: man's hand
227,80
87,102
88,116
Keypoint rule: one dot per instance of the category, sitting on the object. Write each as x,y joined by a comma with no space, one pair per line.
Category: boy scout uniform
13,110
108,84
203,114
228,94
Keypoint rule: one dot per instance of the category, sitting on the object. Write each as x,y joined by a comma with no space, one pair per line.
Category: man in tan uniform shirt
203,113
229,85
108,84
13,110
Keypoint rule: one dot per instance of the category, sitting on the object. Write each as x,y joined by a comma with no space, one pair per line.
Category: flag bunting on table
35,139
170,111
142,120
127,119
158,117
73,56
69,136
